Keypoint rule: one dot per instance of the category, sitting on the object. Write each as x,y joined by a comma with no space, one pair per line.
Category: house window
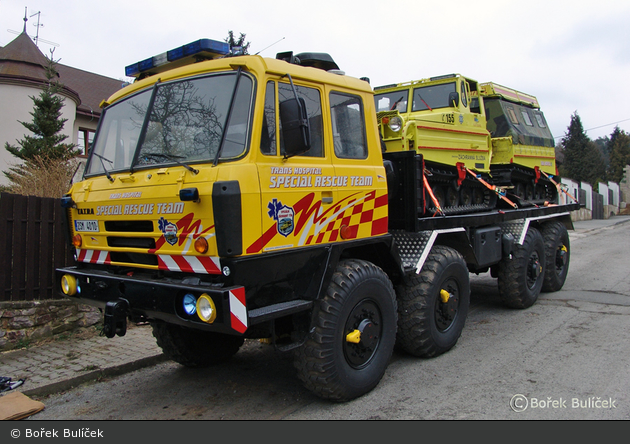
84,141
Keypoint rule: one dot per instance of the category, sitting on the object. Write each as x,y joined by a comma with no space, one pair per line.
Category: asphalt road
567,357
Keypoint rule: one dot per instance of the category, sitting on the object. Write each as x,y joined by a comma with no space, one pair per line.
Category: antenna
40,39
269,46
36,38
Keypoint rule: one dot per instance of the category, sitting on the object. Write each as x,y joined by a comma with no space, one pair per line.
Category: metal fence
33,242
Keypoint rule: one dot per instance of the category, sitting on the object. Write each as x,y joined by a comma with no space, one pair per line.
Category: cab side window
348,126
313,102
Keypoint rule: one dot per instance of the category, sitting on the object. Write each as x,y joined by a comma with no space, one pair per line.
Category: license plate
86,225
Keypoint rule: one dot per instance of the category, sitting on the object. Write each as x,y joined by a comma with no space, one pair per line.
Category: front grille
133,258
131,242
129,226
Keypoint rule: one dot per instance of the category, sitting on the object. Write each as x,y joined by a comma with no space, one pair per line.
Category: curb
95,375
619,221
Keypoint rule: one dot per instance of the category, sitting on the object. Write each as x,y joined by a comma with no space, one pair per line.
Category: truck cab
215,181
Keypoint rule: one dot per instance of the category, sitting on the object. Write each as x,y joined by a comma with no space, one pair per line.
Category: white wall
572,188
589,195
15,107
603,190
616,194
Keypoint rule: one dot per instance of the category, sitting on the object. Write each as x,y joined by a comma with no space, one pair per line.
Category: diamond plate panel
411,246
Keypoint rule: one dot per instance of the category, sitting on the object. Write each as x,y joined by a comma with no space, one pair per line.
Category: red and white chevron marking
189,264
93,256
238,310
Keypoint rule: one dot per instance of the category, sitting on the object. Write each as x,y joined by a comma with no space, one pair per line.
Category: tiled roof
92,88
22,59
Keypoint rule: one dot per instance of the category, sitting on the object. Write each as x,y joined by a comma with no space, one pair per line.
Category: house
23,74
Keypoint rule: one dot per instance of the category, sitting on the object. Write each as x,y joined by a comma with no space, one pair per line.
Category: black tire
427,326
558,253
521,277
360,297
195,348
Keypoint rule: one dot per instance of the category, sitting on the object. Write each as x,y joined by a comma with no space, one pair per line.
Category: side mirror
296,131
453,99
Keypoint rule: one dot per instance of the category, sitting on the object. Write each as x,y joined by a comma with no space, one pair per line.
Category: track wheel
558,252
451,196
521,277
465,195
354,333
438,192
433,305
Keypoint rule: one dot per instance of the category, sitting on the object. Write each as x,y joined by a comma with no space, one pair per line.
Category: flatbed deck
496,216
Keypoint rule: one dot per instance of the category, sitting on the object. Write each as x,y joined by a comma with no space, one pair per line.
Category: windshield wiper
425,103
111,179
396,103
172,159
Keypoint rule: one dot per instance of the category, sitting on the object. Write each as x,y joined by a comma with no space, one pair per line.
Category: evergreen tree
619,154
47,123
582,159
237,46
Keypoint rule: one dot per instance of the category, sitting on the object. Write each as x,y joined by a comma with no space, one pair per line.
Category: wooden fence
33,242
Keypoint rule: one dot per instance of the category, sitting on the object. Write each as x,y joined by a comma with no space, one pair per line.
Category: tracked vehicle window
526,118
392,101
314,113
540,120
348,128
432,97
512,115
464,94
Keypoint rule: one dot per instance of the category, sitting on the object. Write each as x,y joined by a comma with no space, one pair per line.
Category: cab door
361,206
298,193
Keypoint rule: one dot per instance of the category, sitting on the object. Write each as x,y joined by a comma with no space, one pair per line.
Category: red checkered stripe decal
238,310
93,256
363,217
189,264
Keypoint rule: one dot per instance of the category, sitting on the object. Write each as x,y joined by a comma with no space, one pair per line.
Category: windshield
431,97
176,122
392,101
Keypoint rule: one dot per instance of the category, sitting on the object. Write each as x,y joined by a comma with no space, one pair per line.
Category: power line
598,127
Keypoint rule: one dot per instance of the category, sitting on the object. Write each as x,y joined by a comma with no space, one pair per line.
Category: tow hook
115,319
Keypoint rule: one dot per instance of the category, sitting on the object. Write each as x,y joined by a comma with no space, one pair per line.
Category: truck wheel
557,256
195,348
433,305
349,347
521,277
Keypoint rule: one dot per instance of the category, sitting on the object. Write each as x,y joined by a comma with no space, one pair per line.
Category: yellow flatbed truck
234,198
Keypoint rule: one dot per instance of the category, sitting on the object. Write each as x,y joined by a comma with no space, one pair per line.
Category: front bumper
160,299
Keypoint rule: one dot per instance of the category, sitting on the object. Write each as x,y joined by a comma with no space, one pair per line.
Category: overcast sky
572,55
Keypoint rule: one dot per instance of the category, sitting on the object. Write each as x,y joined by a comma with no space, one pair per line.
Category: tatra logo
85,210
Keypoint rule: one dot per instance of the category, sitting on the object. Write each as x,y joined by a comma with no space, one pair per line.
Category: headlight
190,304
395,124
206,310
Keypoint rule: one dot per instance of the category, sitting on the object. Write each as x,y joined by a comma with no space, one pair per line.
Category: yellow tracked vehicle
467,131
